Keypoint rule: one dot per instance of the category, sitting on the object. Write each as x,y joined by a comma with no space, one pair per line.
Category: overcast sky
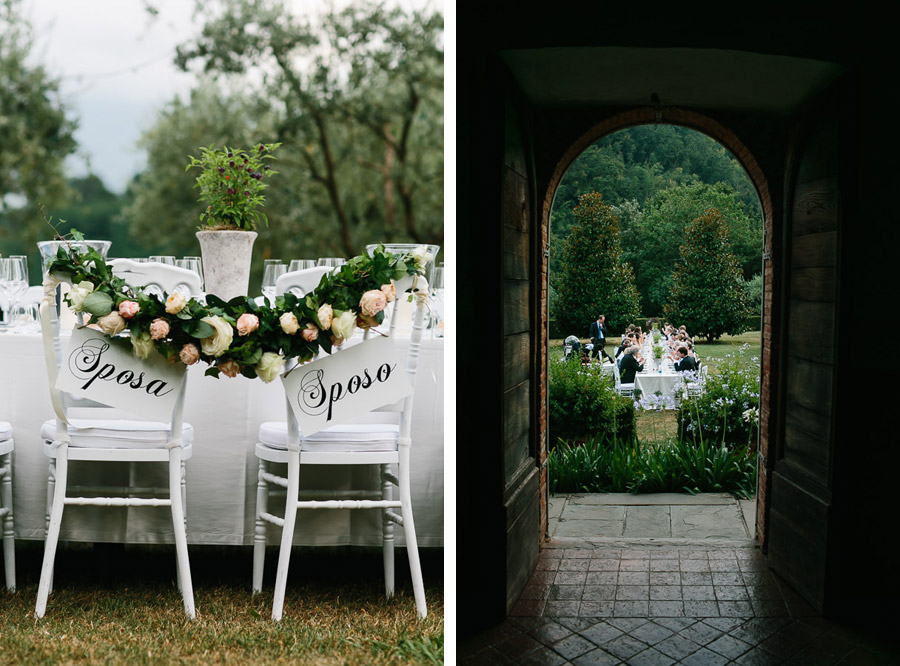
115,65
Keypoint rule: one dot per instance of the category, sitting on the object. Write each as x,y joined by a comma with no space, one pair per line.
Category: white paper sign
336,389
111,374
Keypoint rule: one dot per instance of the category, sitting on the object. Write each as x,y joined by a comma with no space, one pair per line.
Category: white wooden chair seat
343,438
6,509
118,434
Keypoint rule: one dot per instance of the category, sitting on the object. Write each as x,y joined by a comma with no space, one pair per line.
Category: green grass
121,606
732,344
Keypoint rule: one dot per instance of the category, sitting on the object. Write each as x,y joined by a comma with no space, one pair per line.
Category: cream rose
372,302
175,302
159,329
142,345
311,332
269,366
247,323
79,293
344,325
128,309
390,293
325,316
229,367
289,323
218,342
189,354
112,323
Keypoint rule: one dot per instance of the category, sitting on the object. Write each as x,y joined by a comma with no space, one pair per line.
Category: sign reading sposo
336,389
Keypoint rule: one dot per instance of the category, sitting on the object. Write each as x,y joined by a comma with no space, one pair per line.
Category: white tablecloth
222,474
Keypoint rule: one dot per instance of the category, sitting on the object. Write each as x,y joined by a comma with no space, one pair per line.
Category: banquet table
221,476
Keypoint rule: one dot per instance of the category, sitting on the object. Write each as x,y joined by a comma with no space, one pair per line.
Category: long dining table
221,475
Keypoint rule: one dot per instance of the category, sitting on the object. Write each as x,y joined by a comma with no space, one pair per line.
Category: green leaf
98,303
197,329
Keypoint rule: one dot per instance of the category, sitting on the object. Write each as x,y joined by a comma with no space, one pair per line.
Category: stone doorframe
717,131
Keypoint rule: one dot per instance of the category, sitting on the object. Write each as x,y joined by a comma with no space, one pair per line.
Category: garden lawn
709,352
119,605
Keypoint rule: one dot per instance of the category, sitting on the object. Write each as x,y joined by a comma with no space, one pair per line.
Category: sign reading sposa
110,374
338,388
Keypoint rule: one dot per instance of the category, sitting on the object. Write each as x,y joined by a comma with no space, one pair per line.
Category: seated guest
685,361
630,365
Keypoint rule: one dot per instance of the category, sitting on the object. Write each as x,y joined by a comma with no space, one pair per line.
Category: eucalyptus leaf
98,303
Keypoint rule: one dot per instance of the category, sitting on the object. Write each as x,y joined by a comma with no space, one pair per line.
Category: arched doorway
726,137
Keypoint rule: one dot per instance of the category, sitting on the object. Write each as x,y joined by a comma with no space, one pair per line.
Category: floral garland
238,336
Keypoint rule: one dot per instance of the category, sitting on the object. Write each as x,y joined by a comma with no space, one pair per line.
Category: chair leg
184,510
9,536
409,531
259,536
287,534
51,490
178,526
387,536
60,472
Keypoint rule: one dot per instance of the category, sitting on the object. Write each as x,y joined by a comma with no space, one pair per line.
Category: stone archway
726,137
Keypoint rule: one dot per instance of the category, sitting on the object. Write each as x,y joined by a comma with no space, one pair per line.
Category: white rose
112,323
142,345
79,293
175,302
269,366
289,323
218,342
343,326
325,315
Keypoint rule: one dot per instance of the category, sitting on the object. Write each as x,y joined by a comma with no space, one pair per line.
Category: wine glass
192,264
335,262
163,259
271,273
13,282
301,264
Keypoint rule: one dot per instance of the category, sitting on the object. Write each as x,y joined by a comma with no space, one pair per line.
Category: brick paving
592,604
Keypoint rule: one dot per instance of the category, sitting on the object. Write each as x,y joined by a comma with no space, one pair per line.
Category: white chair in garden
147,274
622,389
98,440
6,508
386,445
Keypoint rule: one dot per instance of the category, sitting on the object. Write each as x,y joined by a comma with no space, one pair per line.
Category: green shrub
727,412
583,403
603,464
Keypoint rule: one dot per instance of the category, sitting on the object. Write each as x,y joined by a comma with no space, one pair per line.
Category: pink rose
189,354
372,302
159,329
229,368
246,324
310,333
128,309
390,293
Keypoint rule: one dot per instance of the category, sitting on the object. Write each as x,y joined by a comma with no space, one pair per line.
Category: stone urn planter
226,261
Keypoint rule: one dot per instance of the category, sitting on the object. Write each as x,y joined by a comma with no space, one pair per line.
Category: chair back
63,402
157,278
301,282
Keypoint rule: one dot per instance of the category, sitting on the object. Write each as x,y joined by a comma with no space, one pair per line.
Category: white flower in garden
218,342
175,302
269,366
79,293
112,323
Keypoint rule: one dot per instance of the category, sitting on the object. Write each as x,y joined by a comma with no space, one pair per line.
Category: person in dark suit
598,337
630,366
684,360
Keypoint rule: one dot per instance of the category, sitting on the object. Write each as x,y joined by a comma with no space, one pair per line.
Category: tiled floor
665,605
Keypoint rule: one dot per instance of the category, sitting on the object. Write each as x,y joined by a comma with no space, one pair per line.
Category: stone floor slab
647,521
715,522
588,528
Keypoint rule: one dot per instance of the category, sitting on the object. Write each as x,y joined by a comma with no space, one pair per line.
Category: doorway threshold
706,519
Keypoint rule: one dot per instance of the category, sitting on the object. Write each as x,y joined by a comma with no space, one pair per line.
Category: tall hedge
593,278
708,295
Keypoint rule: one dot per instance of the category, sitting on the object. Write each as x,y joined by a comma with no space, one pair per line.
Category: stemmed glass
163,259
13,281
192,264
271,273
334,262
301,264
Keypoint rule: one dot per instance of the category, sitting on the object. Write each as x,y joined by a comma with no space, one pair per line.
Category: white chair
114,440
6,508
156,282
626,390
383,444
696,387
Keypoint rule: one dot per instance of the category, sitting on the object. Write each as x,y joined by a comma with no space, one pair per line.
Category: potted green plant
231,184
